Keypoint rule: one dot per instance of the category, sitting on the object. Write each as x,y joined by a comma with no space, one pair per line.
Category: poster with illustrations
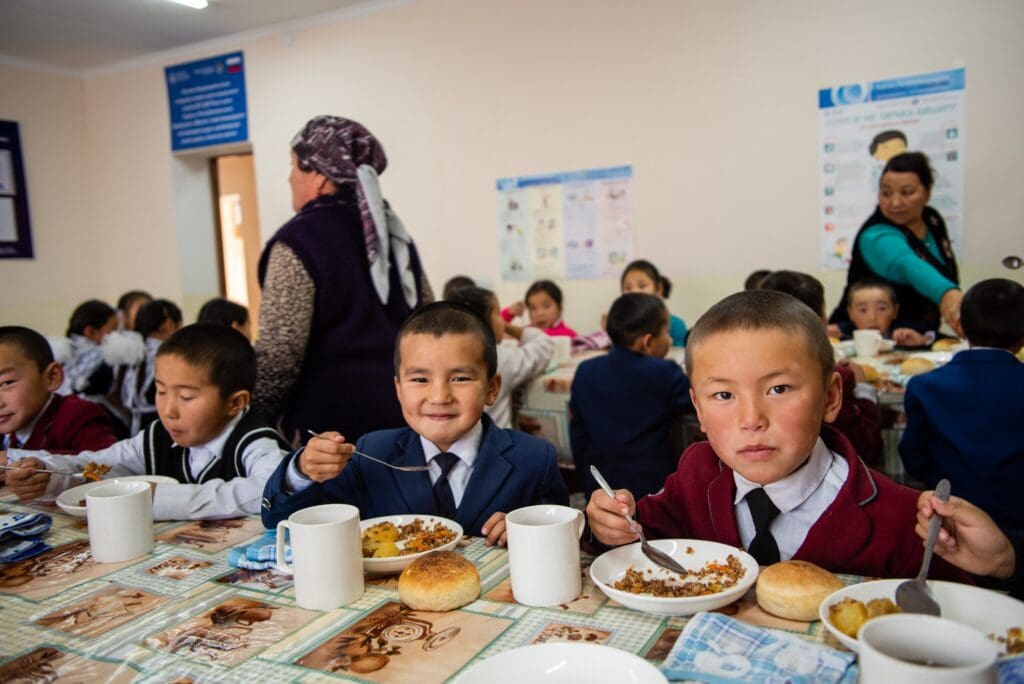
575,225
863,125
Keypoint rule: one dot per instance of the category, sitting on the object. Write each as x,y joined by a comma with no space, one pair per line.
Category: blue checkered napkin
258,555
717,649
1011,670
21,535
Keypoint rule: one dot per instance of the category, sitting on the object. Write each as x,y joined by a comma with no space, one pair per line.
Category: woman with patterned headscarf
338,280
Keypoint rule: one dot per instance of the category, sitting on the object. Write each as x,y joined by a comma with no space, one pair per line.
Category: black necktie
443,490
763,546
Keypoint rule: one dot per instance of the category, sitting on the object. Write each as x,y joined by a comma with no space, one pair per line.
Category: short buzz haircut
223,353
992,314
634,315
764,310
872,284
223,312
804,287
448,318
33,345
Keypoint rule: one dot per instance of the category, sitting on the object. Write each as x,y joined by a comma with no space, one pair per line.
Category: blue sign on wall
207,102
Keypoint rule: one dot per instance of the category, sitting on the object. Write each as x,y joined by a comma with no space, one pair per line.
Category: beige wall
714,105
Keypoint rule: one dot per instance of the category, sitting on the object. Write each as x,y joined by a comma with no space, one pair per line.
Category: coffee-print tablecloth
181,614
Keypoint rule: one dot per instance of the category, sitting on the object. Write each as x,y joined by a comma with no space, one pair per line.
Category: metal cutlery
407,469
914,596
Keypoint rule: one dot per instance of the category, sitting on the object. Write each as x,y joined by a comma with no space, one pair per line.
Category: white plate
611,566
989,612
939,358
390,566
69,498
562,663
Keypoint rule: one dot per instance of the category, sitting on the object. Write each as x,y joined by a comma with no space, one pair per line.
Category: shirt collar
795,488
26,430
215,445
466,447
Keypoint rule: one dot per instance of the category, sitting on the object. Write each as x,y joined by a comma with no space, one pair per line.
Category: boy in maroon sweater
772,478
32,416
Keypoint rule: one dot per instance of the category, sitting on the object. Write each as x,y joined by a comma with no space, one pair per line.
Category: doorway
238,235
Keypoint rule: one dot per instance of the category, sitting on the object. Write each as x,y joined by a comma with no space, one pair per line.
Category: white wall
714,105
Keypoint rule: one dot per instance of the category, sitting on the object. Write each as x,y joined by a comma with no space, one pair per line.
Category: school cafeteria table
182,614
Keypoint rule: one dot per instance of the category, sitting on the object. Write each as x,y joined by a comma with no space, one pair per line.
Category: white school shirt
800,497
517,363
466,448
212,499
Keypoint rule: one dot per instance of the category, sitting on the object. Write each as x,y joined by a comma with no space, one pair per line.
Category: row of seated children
220,452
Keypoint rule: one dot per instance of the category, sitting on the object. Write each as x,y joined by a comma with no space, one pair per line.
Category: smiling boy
445,374
772,478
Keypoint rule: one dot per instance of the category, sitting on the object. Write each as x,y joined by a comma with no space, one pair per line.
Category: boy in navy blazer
965,420
445,374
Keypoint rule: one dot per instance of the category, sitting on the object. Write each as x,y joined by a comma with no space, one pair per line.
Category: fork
657,556
407,469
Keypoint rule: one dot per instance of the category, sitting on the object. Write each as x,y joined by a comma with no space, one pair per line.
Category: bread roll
795,589
945,344
870,373
916,365
439,581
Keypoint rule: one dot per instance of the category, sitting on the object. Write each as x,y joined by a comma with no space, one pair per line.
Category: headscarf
346,153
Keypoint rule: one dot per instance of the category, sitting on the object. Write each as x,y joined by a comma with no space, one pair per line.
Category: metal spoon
657,556
44,470
914,596
407,469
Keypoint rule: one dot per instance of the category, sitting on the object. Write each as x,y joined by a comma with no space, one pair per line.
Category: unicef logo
850,94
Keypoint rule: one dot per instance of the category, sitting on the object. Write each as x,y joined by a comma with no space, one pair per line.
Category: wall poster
207,102
15,231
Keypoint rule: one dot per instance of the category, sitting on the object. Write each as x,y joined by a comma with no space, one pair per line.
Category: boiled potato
881,606
386,549
848,615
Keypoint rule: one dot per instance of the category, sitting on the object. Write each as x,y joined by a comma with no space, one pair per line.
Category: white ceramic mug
920,649
563,349
120,516
867,342
544,554
327,557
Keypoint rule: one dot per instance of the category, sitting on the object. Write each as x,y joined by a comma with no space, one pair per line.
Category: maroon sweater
868,529
70,425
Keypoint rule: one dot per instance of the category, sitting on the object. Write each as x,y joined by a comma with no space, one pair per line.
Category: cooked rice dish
386,540
713,578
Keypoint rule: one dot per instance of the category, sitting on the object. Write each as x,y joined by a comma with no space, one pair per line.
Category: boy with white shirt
772,478
220,452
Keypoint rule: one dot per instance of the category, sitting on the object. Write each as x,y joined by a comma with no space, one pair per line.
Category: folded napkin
717,649
260,554
1011,670
21,535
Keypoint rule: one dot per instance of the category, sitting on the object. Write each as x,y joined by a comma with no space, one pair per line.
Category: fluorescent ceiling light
194,4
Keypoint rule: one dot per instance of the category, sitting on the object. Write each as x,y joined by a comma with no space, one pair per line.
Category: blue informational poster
207,102
15,232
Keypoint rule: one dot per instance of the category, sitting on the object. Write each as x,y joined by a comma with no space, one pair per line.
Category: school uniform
65,424
222,478
518,363
497,470
965,422
840,515
859,418
138,389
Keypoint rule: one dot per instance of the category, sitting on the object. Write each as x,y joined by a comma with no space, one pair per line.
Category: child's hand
25,481
908,337
833,330
516,309
494,528
605,516
325,456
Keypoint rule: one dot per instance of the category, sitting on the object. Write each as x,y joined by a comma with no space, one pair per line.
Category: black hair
652,272
130,297
911,162
223,312
223,353
477,299
754,280
456,283
764,310
153,314
33,345
448,318
804,287
872,284
548,288
884,137
992,314
634,315
92,313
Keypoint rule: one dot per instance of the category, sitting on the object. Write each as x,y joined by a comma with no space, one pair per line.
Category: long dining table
182,614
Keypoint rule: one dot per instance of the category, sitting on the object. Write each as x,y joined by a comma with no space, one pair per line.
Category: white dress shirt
800,497
517,363
215,498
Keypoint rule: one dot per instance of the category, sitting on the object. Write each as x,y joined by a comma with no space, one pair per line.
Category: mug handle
581,521
280,562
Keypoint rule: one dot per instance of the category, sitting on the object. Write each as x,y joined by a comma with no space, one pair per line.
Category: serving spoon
914,596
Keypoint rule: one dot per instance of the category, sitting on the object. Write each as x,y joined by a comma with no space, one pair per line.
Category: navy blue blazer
621,412
965,422
511,470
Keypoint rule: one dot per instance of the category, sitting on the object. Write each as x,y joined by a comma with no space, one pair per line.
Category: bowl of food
994,614
719,574
72,501
392,542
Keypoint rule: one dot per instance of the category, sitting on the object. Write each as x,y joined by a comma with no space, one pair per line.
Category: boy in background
228,313
965,420
220,453
872,305
445,374
772,478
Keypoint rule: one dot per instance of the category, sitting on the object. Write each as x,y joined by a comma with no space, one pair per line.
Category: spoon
44,470
1013,262
657,556
408,469
914,596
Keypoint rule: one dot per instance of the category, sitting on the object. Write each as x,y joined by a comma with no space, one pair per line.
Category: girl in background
643,276
87,374
228,313
155,322
544,303
128,306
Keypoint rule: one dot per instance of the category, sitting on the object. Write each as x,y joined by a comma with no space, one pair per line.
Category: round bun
870,373
945,344
916,365
795,589
439,581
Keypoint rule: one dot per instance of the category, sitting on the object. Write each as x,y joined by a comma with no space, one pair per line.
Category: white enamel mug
544,554
120,516
327,557
867,342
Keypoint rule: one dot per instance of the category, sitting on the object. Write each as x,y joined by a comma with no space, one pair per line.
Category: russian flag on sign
234,64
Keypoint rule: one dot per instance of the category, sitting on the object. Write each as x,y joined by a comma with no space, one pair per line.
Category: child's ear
53,375
644,343
833,397
493,387
237,401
